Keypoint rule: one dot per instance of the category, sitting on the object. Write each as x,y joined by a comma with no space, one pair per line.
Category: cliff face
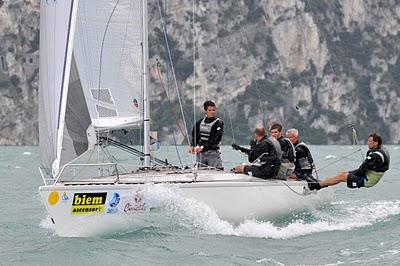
19,59
312,64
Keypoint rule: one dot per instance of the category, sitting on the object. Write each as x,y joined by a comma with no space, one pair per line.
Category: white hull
122,206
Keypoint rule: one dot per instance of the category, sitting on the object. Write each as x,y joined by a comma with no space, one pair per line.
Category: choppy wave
341,216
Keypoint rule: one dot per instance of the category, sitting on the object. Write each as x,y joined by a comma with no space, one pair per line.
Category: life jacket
384,154
205,130
268,158
285,154
305,163
373,176
277,146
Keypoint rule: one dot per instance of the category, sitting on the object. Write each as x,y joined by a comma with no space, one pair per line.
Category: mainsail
108,53
91,67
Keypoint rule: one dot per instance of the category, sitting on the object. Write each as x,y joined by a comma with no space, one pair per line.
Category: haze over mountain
311,64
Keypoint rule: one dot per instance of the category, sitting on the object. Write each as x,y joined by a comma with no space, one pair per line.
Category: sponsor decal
87,203
53,198
138,205
64,196
113,203
135,103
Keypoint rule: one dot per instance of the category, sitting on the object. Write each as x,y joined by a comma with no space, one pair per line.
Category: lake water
360,227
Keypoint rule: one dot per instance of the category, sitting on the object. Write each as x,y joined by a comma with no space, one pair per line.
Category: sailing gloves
237,147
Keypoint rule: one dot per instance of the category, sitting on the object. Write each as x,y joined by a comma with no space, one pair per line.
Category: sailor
304,163
207,136
264,151
370,171
288,152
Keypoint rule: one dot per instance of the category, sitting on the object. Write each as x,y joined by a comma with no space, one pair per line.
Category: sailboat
93,80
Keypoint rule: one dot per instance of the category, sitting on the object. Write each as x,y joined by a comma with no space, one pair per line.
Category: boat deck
170,176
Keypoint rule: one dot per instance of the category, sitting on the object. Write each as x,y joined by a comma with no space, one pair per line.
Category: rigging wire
354,143
123,55
338,160
102,48
229,114
285,67
101,63
167,89
186,136
158,66
194,34
322,34
244,36
316,18
223,86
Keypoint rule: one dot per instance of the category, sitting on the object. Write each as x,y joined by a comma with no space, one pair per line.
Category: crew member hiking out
206,137
368,174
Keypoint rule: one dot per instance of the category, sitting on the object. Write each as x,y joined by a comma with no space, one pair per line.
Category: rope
284,66
355,139
294,191
173,71
228,106
244,36
102,47
326,166
172,109
330,65
222,64
230,121
168,98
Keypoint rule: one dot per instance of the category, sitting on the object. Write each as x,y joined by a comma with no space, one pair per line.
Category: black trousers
262,171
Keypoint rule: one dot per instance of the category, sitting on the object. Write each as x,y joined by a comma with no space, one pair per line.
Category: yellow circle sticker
53,198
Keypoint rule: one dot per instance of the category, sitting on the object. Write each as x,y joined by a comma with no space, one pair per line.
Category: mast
146,102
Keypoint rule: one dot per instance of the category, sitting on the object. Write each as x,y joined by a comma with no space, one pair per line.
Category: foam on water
330,156
269,261
47,224
198,216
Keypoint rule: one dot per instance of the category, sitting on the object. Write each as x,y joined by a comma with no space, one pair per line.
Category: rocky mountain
317,65
19,59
